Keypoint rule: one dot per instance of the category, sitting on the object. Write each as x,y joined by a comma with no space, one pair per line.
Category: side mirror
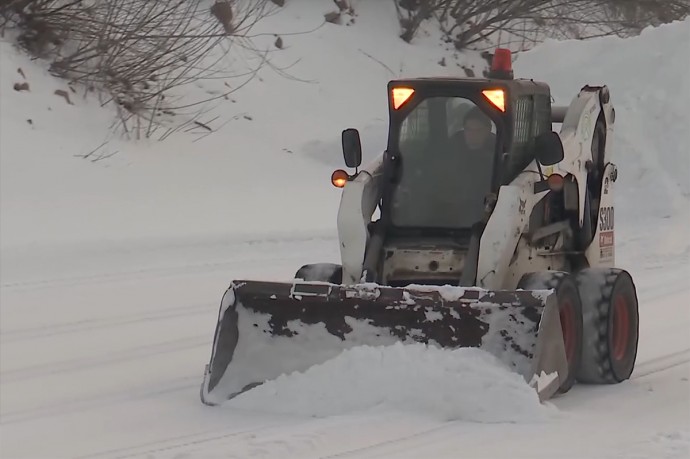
352,147
548,148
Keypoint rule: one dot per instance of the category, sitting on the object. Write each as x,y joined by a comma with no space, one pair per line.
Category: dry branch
477,23
136,52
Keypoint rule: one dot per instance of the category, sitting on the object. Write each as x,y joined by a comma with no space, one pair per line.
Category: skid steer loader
493,231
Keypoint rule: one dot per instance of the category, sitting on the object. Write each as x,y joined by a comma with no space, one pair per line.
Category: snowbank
464,384
267,169
650,89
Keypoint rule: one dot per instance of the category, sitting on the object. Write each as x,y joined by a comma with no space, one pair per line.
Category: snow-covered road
108,364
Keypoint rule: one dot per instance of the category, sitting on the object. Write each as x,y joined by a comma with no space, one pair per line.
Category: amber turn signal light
339,178
497,97
401,95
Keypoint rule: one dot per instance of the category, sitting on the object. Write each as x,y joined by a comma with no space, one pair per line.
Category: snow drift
650,89
463,384
266,169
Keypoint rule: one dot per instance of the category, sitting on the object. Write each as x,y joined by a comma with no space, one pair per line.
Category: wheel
321,272
611,325
570,312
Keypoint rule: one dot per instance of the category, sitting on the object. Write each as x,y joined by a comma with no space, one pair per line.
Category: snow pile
257,358
62,169
650,89
267,168
464,384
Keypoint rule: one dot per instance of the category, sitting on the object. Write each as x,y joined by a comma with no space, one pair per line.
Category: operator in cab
477,138
475,147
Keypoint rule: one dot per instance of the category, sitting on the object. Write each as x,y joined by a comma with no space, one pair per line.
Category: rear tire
570,309
321,272
611,325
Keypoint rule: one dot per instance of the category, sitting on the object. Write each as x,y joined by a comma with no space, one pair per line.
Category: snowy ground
112,271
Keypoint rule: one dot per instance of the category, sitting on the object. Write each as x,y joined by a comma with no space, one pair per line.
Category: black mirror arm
541,171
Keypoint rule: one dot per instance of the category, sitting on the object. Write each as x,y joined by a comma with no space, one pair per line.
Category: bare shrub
136,52
635,15
469,23
479,24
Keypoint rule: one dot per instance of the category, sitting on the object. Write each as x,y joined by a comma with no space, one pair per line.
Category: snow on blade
464,384
257,359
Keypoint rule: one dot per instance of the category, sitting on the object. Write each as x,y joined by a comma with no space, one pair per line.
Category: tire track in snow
398,440
86,325
87,363
250,444
138,274
649,367
248,255
661,363
80,404
646,368
184,441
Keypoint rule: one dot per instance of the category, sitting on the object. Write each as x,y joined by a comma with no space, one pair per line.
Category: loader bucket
266,329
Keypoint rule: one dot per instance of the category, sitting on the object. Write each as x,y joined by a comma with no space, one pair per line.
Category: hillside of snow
280,129
113,266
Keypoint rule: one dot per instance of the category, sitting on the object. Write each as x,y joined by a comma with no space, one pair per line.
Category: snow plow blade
266,329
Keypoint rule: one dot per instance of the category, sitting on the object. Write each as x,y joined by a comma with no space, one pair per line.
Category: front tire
611,325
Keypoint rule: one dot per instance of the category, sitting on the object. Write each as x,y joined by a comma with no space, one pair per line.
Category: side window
524,114
542,114
524,129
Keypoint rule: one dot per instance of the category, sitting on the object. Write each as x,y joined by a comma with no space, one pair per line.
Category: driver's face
476,133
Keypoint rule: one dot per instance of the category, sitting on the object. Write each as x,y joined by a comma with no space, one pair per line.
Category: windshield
447,146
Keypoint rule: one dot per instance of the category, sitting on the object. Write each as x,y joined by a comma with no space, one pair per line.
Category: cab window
447,146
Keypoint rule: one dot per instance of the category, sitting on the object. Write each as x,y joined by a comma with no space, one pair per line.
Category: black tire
321,272
611,325
570,309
